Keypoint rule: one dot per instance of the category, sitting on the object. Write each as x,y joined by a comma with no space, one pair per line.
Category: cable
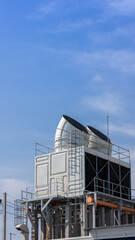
11,196
10,213
10,203
10,206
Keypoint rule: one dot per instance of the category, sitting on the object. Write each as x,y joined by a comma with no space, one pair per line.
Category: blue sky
73,57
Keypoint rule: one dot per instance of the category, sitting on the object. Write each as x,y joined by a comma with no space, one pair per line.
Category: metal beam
4,215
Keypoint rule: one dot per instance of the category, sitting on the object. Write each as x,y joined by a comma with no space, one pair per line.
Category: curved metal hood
99,141
70,132
68,127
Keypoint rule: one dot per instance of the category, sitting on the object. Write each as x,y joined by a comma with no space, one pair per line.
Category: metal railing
45,147
121,153
28,194
110,149
19,213
56,188
114,189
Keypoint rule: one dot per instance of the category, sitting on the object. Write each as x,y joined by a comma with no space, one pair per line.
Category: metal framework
70,215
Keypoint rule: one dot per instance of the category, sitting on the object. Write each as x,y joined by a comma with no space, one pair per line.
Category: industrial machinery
24,231
82,186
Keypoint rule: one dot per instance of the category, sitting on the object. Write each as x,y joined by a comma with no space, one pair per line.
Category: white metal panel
41,192
42,158
65,183
53,174
58,163
42,174
52,186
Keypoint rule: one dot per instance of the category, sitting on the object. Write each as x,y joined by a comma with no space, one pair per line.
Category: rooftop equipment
66,128
99,141
82,184
81,156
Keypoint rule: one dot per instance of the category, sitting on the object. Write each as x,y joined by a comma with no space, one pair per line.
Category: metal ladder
75,159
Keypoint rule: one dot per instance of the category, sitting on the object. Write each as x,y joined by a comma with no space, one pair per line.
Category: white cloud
112,36
62,7
128,30
70,26
42,11
126,129
105,102
8,171
111,7
97,78
122,60
124,7
13,187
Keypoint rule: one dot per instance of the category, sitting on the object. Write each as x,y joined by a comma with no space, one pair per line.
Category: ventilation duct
70,132
99,141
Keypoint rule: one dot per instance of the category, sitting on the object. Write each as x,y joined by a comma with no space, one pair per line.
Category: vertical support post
114,217
4,215
130,192
108,219
101,216
132,218
108,131
111,217
119,218
27,212
34,228
67,215
49,225
93,210
120,175
126,213
57,228
90,217
42,229
119,212
108,153
96,180
83,218
93,214
108,175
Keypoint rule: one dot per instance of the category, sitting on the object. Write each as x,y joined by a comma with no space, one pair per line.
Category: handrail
111,188
118,152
